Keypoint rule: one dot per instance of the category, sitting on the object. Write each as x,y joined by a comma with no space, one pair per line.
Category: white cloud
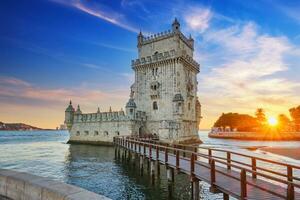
198,18
247,72
99,11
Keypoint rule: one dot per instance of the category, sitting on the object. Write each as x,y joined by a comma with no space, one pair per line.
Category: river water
46,153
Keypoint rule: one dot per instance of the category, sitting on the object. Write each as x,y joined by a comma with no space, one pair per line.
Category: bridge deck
226,180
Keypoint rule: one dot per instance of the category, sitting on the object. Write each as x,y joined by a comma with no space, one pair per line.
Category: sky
52,51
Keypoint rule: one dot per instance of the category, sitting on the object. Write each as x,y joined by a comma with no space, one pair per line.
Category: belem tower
163,99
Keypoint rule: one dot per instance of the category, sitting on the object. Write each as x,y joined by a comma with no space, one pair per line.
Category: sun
272,121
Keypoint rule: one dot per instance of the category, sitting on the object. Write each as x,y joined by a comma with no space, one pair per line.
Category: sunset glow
272,121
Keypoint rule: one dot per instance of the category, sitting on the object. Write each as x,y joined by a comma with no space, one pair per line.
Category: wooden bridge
237,178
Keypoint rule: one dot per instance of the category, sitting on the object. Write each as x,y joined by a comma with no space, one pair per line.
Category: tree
295,114
241,122
260,116
283,122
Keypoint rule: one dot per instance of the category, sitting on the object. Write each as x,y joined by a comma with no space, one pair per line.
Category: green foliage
241,122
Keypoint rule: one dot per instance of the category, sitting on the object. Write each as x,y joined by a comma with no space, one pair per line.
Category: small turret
191,41
140,39
78,111
69,115
130,108
176,26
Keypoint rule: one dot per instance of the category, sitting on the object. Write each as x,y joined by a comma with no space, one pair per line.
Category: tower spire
175,25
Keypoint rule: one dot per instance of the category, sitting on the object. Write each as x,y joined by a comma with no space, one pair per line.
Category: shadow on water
97,169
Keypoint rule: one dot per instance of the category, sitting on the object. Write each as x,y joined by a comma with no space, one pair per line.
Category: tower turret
78,111
131,108
176,26
140,39
69,115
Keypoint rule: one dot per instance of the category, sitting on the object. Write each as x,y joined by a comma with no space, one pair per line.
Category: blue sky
56,50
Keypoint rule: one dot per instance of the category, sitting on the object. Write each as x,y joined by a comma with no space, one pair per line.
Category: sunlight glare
272,121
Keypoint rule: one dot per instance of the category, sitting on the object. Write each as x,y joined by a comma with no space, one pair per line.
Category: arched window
78,133
96,133
105,133
86,133
117,133
154,105
189,106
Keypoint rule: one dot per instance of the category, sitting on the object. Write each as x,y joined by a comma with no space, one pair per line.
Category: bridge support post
195,188
141,165
170,174
225,196
157,169
152,171
170,178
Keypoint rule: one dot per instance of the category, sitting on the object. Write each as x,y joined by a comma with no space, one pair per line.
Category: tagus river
46,153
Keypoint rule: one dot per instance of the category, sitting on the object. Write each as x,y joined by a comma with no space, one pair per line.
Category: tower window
131,110
154,105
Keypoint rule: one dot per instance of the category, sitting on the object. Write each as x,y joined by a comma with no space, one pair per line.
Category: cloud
198,18
114,47
19,92
247,72
100,11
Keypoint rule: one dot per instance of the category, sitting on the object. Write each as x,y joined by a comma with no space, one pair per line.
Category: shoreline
290,152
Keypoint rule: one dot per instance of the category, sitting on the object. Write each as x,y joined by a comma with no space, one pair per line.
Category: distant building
163,99
63,127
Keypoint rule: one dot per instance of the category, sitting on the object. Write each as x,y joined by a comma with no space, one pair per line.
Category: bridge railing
191,154
290,168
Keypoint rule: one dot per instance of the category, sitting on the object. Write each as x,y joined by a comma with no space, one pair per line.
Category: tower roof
131,103
78,111
70,107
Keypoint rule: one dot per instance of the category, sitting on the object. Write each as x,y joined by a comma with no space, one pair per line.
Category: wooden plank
225,179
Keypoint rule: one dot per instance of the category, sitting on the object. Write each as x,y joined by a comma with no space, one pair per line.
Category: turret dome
70,108
131,103
78,111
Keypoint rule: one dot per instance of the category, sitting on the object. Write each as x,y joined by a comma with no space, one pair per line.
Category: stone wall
24,186
101,132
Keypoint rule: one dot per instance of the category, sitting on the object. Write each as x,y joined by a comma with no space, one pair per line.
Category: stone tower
69,115
165,85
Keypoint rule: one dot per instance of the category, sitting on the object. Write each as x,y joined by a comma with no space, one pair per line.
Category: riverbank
291,152
265,136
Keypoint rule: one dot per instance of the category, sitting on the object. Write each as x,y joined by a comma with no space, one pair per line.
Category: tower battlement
165,56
